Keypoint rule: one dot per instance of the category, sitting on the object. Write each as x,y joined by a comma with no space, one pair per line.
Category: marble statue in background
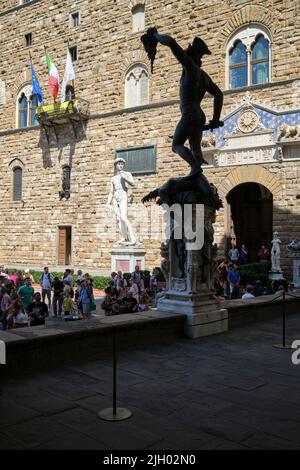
275,253
118,202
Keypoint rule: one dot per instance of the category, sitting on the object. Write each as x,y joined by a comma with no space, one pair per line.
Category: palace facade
55,173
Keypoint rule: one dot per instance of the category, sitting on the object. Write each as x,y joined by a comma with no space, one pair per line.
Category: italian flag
53,76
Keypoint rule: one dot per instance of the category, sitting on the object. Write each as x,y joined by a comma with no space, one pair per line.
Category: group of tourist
240,257
226,284
74,298
135,295
21,306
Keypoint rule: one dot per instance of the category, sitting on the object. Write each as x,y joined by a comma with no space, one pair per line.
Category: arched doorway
250,215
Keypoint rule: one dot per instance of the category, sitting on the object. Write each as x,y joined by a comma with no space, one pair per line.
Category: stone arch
244,16
133,58
135,3
249,174
16,162
20,81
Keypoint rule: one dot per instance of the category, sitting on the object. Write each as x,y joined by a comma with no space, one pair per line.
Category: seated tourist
37,311
113,289
134,289
249,293
143,305
126,305
17,316
109,300
149,296
121,290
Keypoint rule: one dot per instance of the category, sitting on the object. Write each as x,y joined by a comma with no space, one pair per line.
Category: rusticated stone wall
106,49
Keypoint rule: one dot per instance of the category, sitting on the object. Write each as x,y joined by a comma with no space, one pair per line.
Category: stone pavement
230,391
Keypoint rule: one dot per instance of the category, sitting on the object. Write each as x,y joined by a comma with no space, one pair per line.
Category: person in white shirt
249,293
46,280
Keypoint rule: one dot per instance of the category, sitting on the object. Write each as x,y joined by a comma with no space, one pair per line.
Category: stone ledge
62,342
262,308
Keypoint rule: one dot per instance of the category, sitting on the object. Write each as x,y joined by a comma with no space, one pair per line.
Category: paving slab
230,391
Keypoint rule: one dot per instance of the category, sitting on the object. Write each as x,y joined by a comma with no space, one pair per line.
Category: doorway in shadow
250,207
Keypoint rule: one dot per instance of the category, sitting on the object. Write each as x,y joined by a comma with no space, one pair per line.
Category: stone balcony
72,112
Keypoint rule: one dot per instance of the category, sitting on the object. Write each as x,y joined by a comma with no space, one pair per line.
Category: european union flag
36,89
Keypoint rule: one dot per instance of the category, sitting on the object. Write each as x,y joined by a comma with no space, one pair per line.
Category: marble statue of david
118,202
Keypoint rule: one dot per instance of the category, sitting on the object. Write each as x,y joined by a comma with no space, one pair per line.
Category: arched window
238,66
23,111
137,86
26,108
138,18
260,61
17,183
248,57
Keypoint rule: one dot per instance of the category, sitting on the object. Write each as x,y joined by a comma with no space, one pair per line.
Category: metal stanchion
114,413
283,345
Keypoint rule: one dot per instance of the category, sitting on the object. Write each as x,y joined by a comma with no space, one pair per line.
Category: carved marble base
296,272
275,275
125,258
204,316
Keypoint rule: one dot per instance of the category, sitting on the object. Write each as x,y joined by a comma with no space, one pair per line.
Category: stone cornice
163,104
18,7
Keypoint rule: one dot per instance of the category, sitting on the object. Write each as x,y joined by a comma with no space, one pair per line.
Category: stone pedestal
189,275
275,275
296,272
125,258
204,316
189,254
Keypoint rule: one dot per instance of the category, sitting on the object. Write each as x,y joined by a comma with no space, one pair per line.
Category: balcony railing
63,113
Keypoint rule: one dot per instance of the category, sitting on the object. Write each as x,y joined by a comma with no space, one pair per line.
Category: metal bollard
114,413
283,345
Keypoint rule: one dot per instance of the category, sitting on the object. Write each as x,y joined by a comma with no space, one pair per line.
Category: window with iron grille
66,182
28,39
139,160
75,19
17,184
